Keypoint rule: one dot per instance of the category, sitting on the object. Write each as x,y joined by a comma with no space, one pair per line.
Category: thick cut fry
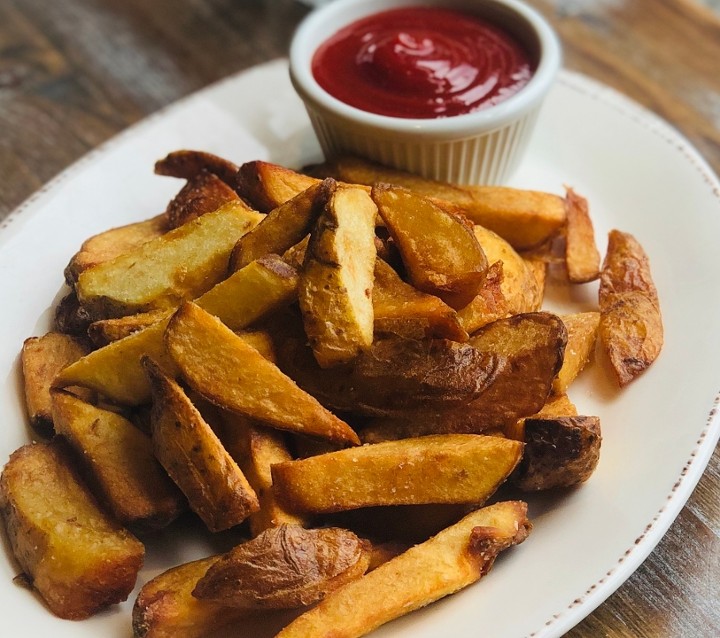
453,468
42,358
105,331
186,164
582,258
336,280
113,243
166,608
524,218
260,288
394,376
401,309
439,249
631,328
203,193
267,186
70,317
78,559
285,567
559,452
283,227
582,331
256,449
193,456
455,558
181,264
232,374
489,305
119,463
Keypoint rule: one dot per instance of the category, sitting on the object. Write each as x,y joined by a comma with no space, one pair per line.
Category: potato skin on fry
186,164
631,328
78,558
285,567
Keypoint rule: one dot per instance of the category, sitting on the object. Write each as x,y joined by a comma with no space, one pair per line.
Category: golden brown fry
186,164
181,264
42,358
559,452
105,331
453,468
227,371
582,330
489,305
267,186
203,193
455,558
283,227
111,244
255,449
336,280
193,456
119,463
581,254
166,608
285,567
538,269
78,559
631,328
439,249
260,288
403,310
524,218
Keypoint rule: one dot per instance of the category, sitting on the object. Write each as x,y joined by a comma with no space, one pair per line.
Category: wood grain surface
75,72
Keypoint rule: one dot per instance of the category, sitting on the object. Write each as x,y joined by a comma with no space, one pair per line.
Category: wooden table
74,73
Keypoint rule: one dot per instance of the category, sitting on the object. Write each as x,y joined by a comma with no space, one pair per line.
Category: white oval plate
639,176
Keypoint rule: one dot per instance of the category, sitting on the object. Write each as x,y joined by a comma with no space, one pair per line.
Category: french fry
631,328
453,468
166,608
186,164
181,264
283,227
249,294
455,558
336,279
78,558
401,309
232,374
112,243
193,456
42,358
203,193
489,305
440,252
582,258
267,186
582,331
119,463
524,218
105,331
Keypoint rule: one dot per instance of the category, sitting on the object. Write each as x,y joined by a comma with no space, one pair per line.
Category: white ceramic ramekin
476,148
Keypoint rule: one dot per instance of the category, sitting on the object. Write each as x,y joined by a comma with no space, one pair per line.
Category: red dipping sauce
422,62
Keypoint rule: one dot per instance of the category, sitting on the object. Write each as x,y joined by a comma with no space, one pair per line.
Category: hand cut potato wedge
267,186
181,264
119,463
453,468
260,288
285,567
403,310
283,227
582,328
193,456
42,358
232,374
105,331
455,558
166,608
336,279
631,328
203,193
186,164
582,258
440,252
77,558
524,218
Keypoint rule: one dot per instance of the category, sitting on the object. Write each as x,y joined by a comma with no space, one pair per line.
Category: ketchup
422,62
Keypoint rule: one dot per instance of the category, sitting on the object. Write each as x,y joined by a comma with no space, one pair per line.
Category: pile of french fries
346,365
